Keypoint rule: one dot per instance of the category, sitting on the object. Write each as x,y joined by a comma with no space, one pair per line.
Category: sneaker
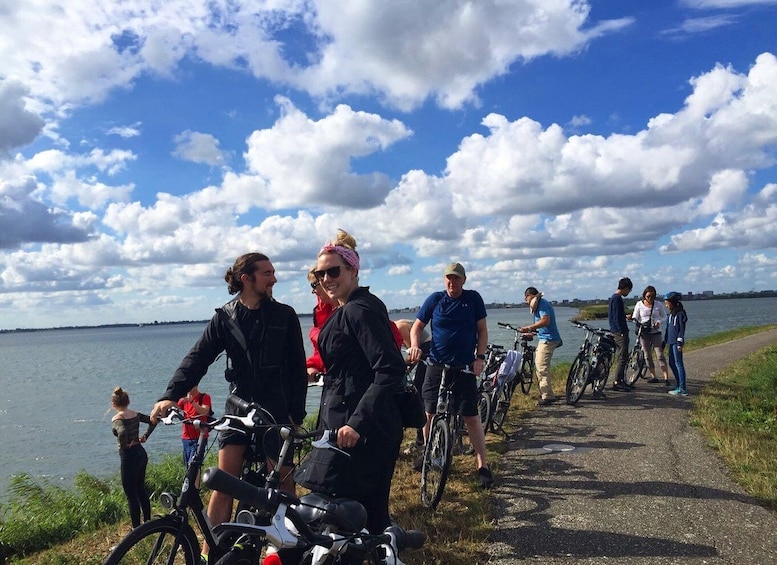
623,387
419,439
675,392
683,392
653,380
485,478
666,382
545,401
598,395
418,462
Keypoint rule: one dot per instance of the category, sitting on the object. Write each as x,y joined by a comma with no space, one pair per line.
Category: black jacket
365,369
275,374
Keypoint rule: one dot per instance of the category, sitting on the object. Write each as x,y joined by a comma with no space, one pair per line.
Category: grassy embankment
737,411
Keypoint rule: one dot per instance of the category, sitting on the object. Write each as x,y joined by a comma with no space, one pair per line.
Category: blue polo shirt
454,324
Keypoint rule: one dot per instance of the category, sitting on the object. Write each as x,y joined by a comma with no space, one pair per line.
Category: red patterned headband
349,255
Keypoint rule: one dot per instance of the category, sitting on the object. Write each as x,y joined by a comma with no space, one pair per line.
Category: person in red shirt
196,405
321,311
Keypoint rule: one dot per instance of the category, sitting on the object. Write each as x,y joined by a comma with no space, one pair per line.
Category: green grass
737,413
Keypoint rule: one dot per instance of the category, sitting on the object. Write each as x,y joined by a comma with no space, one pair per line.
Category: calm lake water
55,407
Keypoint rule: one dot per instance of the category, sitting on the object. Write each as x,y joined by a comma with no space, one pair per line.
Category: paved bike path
628,480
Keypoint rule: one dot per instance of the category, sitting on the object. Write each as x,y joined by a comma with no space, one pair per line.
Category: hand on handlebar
161,409
347,437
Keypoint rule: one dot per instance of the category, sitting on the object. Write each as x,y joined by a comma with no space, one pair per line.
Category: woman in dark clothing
365,369
126,426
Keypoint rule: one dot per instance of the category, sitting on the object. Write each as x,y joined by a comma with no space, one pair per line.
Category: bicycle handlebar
592,329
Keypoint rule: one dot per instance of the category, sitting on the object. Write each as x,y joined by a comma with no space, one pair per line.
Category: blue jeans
677,365
189,449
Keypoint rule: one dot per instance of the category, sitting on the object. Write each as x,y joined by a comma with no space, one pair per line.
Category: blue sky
554,143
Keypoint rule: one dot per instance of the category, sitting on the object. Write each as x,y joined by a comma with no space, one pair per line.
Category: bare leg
220,505
477,438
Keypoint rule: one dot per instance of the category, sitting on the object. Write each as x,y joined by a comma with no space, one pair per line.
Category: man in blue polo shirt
459,339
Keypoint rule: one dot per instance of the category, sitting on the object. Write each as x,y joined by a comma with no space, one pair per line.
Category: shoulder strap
235,330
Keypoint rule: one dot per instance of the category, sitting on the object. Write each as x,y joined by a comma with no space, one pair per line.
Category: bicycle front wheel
437,462
636,367
577,379
168,540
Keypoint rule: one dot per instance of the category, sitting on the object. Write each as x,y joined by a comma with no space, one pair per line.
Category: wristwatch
481,357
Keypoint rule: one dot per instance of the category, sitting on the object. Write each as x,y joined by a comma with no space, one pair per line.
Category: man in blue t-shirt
459,339
616,314
549,339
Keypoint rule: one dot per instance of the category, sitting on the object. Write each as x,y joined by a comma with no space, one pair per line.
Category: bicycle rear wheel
436,463
603,366
577,379
636,367
526,375
461,434
168,540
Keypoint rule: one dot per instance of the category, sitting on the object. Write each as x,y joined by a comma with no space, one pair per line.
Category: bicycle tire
636,367
501,406
485,409
436,462
154,542
462,442
577,380
527,376
603,367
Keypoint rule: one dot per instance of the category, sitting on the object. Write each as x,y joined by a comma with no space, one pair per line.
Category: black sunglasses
333,273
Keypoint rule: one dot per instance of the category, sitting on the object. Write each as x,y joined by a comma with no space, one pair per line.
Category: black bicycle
592,364
504,385
636,367
446,431
171,539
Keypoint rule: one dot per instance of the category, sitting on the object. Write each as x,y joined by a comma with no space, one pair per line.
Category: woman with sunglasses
365,369
651,315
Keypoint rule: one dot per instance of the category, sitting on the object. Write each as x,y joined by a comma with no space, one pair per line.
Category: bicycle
528,353
636,367
446,431
269,517
592,364
505,385
171,539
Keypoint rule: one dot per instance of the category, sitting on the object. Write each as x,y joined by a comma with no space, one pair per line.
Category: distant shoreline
492,306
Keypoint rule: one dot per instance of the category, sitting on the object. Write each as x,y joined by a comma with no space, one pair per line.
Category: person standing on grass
266,364
459,339
674,337
650,315
196,405
364,371
549,339
616,315
134,459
